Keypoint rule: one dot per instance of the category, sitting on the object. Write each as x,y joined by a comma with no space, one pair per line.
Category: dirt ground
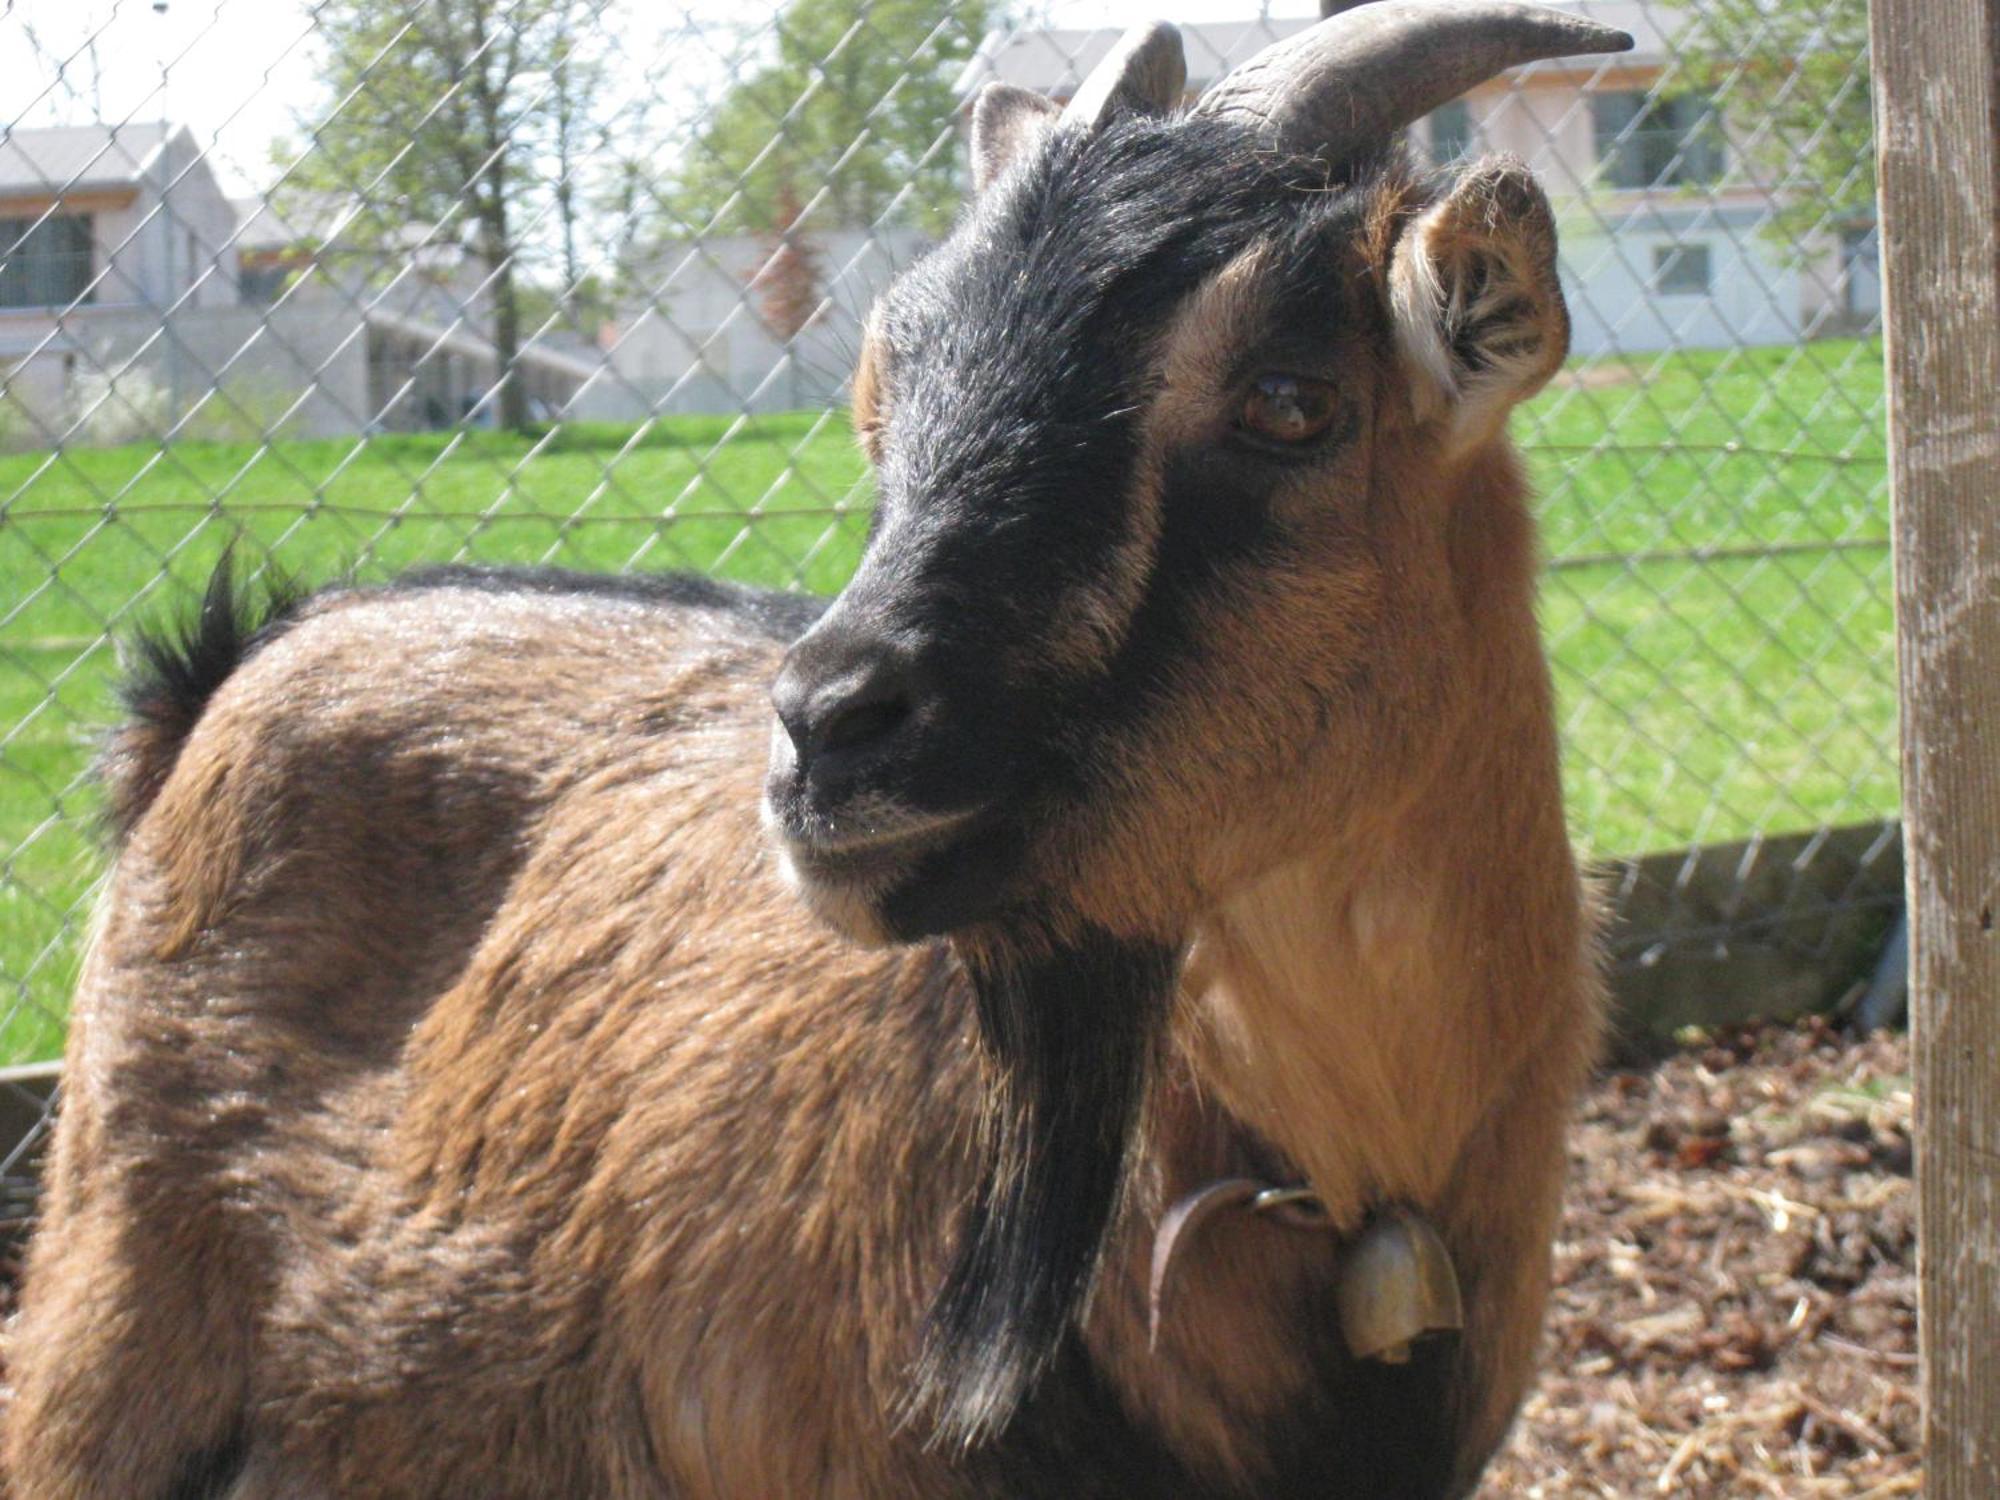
1735,1301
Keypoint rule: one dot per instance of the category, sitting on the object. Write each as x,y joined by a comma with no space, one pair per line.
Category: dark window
1451,132
260,285
1681,269
44,263
1647,141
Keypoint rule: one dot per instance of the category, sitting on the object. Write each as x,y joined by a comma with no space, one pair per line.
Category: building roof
1055,60
466,341
77,158
301,219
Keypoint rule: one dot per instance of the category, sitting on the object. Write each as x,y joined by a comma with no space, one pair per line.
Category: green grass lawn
1705,697
1751,687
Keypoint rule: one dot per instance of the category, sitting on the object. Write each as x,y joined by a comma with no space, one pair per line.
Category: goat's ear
1476,301
1005,121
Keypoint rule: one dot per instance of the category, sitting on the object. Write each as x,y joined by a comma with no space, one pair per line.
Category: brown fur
458,1103
865,392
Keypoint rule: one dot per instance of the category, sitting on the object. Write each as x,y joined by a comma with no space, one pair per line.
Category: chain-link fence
361,283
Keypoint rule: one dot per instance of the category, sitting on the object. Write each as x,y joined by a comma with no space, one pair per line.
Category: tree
447,111
578,76
1792,81
857,102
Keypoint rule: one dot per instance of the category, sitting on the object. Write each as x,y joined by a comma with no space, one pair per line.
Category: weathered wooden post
1936,96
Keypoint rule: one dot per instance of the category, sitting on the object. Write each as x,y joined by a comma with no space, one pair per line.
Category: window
1681,270
1450,132
258,284
1647,141
46,262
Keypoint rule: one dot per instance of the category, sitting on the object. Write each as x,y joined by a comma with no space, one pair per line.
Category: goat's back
451,1077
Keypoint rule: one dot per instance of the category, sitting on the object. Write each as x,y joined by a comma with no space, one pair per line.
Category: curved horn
1355,78
1145,73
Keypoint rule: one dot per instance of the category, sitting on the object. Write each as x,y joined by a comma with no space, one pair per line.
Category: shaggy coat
462,1099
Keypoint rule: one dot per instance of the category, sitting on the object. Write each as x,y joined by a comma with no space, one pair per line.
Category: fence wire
361,283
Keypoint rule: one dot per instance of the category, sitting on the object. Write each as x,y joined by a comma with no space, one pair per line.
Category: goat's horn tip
1610,38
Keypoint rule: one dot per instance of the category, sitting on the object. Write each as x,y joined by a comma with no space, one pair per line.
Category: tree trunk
566,126
489,183
513,404
496,248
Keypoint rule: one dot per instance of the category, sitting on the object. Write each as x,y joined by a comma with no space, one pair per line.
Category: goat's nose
838,699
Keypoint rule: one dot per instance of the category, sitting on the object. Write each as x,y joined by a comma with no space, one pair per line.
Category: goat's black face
1039,545
1157,581
1037,551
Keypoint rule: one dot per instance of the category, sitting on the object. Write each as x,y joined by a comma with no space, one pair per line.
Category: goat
462,1098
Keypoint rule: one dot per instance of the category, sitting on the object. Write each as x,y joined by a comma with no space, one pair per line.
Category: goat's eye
1287,409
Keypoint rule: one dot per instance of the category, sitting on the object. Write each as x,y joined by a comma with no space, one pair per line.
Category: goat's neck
1359,1007
1322,1019
1361,1018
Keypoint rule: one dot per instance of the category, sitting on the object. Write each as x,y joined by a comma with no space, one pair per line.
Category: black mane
169,674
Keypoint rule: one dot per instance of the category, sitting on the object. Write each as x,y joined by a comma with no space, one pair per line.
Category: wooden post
1937,104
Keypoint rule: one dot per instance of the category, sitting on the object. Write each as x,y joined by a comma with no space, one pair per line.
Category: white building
105,232
137,301
1663,230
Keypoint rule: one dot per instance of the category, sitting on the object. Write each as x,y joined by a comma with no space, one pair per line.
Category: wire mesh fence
359,283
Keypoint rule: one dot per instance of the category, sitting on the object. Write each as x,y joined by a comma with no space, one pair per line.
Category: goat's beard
1074,1028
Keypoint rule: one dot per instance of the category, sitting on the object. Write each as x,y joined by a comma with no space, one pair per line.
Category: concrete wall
232,371
698,342
1769,928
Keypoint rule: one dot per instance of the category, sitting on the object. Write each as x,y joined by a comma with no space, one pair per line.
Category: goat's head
1163,436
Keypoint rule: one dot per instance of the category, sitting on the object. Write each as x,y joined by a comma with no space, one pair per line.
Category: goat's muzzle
869,795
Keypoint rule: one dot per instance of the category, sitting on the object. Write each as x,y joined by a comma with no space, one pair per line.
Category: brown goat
461,1100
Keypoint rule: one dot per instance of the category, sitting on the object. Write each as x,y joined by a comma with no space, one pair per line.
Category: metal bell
1396,1285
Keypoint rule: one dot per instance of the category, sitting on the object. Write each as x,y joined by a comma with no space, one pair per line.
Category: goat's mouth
864,844
886,873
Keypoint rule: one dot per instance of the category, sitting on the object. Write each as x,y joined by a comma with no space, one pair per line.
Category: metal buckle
1297,1206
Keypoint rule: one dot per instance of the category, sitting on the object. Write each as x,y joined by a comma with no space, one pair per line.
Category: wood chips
1735,1302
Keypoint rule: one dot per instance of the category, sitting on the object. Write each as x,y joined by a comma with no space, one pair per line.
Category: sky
235,71
240,73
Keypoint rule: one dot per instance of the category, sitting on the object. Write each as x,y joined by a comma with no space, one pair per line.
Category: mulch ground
1735,1301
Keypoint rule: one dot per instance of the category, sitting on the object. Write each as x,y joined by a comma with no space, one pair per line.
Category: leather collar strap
1296,1206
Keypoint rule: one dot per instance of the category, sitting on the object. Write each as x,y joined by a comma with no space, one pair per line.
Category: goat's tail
170,673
